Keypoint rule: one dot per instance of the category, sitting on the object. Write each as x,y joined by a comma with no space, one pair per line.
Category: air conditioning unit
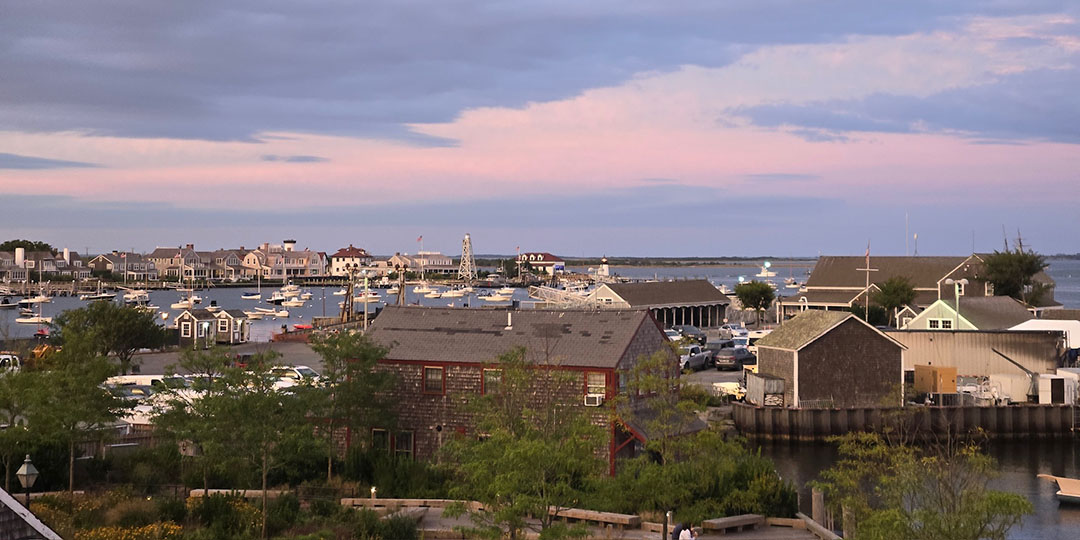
594,400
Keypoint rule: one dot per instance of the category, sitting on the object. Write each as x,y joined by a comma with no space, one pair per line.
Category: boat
6,303
257,295
277,298
765,272
506,291
26,312
302,327
39,299
290,291
183,304
790,283
454,293
495,298
423,288
305,296
213,307
282,313
341,292
97,296
393,290
265,310
136,296
147,308
254,315
293,302
1068,488
250,296
433,294
35,319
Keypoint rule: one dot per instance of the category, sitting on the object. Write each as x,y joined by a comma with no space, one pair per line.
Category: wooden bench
607,518
745,522
244,493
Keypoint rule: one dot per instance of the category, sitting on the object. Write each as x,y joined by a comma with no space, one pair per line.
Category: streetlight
957,284
27,475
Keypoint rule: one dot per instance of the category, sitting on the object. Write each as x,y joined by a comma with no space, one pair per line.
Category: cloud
16,161
216,71
782,177
294,159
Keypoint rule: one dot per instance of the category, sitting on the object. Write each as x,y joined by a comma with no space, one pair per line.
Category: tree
1012,274
108,328
249,417
895,293
537,450
71,402
898,492
16,395
29,245
755,295
664,414
353,391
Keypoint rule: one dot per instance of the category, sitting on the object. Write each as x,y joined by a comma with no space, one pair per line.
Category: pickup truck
693,358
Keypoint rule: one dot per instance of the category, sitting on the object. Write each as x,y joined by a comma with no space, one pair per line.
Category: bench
608,518
745,522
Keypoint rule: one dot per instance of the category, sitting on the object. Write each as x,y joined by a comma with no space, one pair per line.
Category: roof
235,313
540,257
807,326
1070,328
351,251
1062,314
199,314
924,272
574,338
823,297
990,312
666,293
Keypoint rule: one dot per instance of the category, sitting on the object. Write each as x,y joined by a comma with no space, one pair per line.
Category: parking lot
707,377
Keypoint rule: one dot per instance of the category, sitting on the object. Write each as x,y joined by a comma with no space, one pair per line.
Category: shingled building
696,302
442,355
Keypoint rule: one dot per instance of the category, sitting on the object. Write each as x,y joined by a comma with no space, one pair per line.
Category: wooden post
848,521
817,505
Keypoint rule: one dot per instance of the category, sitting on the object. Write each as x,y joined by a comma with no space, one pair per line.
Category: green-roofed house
833,359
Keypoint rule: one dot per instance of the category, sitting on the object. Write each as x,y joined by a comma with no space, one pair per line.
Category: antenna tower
467,270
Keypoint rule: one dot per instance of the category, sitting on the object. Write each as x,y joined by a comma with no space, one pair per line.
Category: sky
695,128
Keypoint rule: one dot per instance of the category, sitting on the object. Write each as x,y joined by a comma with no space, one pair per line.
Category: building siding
852,365
779,363
970,352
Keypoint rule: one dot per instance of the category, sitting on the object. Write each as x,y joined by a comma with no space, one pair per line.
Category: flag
123,255
420,238
868,254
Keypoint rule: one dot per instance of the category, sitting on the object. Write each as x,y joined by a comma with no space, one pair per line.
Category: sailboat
99,295
255,295
40,318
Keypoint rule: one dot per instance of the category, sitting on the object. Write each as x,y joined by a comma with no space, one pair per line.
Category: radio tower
467,270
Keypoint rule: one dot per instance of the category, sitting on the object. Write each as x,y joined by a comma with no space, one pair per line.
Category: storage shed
833,359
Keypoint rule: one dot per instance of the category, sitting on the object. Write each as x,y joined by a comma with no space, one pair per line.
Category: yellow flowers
155,531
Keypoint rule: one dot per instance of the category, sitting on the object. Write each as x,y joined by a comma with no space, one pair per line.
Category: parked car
672,334
733,330
693,358
691,332
734,358
9,362
296,374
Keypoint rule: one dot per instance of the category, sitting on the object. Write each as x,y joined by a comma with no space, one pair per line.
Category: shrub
395,476
281,512
155,531
370,527
324,507
132,512
225,515
171,509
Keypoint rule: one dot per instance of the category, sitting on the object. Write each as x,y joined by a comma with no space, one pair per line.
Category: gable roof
351,251
199,314
574,338
540,257
839,271
666,293
806,327
990,312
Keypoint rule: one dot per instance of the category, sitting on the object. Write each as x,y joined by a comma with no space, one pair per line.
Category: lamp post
27,475
957,283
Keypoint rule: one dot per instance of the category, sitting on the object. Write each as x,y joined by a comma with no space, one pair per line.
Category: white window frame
185,329
933,324
960,288
600,389
223,325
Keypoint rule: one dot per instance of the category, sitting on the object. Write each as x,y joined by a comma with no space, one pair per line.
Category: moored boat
1068,488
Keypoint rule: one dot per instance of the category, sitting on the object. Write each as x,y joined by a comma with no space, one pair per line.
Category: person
688,533
676,533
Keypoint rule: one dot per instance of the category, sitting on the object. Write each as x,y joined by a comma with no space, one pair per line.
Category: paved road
707,377
294,354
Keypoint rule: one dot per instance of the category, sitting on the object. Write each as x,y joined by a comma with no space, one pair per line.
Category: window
185,329
905,321
960,288
223,325
202,329
434,382
623,378
989,289
380,440
403,444
946,324
492,378
595,383
940,324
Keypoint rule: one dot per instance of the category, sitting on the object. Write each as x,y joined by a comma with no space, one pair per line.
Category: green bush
281,512
171,509
324,507
395,476
225,515
133,512
370,527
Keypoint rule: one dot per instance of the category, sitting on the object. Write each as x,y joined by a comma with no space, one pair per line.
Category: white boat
282,313
765,272
495,298
136,296
1068,488
506,291
265,310
433,294
195,299
295,302
290,291
305,296
250,296
254,315
147,308
183,304
393,290
213,308
423,288
36,319
454,293
7,304
277,298
39,299
341,292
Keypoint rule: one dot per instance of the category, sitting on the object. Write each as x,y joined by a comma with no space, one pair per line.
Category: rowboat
1068,488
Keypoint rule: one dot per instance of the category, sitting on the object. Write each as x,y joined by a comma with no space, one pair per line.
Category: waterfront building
833,359
20,265
126,265
695,302
550,264
426,261
971,352
975,313
348,257
179,263
840,282
284,262
203,328
441,355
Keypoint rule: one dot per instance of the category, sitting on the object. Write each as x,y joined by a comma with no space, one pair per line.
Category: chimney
114,252
191,246
20,256
288,245
509,320
67,255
